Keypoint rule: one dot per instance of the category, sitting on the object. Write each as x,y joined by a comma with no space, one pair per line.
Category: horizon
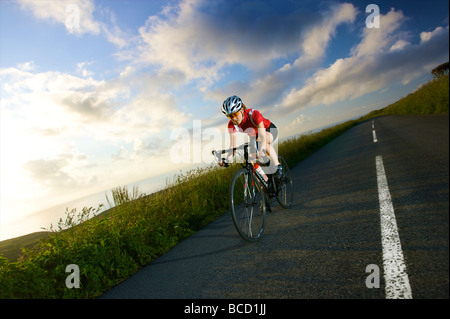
91,99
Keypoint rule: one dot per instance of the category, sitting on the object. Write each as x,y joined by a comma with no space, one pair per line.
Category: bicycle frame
269,185
257,192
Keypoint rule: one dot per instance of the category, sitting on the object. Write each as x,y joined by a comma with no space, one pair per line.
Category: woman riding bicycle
251,122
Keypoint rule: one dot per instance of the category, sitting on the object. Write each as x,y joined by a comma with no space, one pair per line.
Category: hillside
11,248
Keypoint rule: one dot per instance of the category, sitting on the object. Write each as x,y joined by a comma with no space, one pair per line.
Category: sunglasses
231,116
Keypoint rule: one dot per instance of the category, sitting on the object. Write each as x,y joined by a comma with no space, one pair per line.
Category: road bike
251,190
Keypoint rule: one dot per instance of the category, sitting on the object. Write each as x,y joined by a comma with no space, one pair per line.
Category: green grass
431,98
113,245
12,248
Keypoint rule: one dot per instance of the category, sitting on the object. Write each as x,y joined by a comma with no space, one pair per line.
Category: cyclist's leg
272,141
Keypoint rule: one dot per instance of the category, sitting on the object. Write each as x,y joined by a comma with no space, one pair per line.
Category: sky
101,93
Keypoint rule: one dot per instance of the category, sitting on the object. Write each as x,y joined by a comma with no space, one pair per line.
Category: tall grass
111,246
431,98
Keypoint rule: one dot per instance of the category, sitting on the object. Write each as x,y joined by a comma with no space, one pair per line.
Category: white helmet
231,105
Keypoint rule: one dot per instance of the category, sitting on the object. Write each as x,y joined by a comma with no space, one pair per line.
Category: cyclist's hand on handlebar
223,164
219,159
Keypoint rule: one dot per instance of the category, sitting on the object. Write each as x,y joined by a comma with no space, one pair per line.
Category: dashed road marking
373,132
396,278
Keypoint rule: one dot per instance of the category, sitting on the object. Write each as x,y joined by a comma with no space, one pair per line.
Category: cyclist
251,122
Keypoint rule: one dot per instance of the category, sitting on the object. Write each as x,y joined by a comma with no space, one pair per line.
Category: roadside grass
111,246
430,98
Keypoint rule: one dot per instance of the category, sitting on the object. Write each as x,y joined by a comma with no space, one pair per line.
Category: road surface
323,245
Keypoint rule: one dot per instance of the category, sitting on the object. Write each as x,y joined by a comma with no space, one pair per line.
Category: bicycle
251,191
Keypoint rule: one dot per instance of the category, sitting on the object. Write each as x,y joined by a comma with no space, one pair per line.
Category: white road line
395,276
374,137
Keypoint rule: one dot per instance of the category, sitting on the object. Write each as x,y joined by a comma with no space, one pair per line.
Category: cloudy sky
92,91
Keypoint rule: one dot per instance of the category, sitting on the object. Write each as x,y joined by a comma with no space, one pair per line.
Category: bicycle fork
249,192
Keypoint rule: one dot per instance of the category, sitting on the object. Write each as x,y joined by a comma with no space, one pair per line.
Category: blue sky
92,91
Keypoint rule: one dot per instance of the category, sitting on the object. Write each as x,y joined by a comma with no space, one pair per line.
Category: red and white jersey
248,125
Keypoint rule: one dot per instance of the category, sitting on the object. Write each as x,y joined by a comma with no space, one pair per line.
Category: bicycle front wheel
247,204
285,188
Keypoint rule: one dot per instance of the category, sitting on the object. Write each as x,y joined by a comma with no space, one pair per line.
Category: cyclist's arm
262,138
230,154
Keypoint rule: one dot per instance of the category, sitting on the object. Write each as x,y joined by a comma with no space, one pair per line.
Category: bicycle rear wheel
285,188
247,204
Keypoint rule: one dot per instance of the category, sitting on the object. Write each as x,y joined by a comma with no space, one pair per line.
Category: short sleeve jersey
247,126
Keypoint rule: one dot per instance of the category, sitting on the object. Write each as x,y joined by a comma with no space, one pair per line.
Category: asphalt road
320,248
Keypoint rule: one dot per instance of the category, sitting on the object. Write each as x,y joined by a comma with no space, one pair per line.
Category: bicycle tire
247,203
285,194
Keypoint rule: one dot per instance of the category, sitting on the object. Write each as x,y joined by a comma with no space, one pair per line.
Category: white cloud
34,130
376,39
148,114
296,124
311,44
121,154
83,71
63,134
200,38
27,66
399,45
60,172
381,57
177,42
426,36
317,38
76,15
50,100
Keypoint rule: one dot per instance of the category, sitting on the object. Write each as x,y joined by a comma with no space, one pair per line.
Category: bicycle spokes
246,211
284,192
248,195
